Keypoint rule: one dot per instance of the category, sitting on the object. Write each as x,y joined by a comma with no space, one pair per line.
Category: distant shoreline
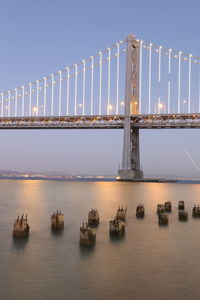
99,179
57,178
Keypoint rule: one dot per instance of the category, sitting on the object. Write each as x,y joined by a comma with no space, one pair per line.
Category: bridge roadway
151,121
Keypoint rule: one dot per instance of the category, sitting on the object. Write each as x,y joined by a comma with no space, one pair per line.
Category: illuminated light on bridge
35,109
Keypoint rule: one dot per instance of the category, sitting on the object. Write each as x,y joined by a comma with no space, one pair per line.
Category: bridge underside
165,121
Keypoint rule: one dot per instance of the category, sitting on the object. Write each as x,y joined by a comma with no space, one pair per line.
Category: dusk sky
41,37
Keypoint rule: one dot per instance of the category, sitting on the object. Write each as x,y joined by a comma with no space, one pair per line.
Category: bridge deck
165,121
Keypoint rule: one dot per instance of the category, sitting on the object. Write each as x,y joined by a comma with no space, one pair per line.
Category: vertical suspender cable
92,85
68,77
159,77
189,83
169,83
16,96
23,95
83,100
60,92
2,100
37,103
149,104
45,95
108,103
140,79
199,88
30,99
75,90
9,104
52,93
117,87
100,80
179,80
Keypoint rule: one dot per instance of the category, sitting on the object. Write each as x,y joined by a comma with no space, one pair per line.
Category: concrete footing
128,175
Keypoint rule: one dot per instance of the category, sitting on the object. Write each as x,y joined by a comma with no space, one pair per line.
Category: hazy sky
41,36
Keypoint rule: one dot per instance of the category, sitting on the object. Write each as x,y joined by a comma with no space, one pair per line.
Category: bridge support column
131,155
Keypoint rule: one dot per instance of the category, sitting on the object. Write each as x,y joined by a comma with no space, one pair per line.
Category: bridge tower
131,153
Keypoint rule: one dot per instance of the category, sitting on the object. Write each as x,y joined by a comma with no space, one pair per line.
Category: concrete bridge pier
131,151
131,154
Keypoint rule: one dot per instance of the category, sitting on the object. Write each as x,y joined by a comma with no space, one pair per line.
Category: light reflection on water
149,262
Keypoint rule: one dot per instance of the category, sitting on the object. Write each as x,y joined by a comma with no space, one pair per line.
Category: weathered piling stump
21,227
160,209
57,221
168,206
181,205
87,235
196,211
140,211
117,227
121,213
183,215
163,219
93,217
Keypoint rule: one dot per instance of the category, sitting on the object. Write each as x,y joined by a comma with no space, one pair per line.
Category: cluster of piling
117,225
87,231
163,209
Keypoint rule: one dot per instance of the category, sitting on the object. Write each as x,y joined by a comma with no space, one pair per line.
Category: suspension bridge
131,85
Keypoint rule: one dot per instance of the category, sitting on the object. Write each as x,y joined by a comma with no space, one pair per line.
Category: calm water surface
151,262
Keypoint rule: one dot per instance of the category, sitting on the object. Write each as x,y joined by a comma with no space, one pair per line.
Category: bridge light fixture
35,109
184,101
122,103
